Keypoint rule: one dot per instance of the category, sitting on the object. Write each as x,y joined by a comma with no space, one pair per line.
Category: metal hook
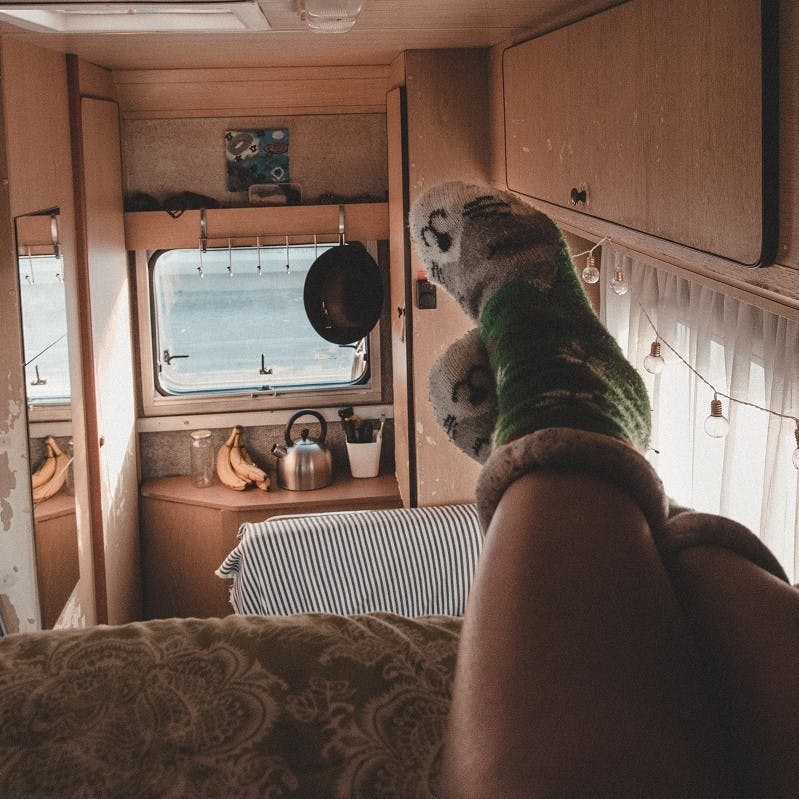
341,237
203,231
200,251
229,258
288,262
54,235
31,278
258,253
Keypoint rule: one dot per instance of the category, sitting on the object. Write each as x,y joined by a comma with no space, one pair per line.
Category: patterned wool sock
555,363
567,396
464,396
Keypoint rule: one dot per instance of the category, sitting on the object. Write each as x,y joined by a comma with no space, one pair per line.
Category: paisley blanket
300,706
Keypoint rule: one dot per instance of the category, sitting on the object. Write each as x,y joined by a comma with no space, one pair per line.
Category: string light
716,425
719,425
590,273
654,363
619,284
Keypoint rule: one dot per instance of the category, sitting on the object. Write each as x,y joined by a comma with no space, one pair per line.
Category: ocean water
230,322
44,329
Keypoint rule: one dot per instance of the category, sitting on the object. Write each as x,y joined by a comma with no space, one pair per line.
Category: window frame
155,404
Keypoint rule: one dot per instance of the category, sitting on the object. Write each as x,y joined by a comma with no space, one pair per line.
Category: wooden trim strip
154,230
255,111
88,388
224,75
155,94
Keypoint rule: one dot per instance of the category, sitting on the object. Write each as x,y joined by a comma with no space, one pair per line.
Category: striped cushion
408,561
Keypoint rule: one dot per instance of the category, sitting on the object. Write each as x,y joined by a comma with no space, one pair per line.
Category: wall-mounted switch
425,292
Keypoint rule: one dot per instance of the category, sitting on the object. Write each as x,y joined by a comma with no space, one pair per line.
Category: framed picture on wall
256,157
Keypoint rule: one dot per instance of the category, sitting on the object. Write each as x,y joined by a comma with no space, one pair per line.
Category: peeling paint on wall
8,483
9,614
8,480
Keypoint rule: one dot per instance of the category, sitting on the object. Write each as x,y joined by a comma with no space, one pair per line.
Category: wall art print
256,156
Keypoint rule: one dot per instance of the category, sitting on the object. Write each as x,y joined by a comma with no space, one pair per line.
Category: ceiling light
331,16
135,17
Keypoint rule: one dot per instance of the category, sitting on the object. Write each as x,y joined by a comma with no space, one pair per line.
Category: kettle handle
306,412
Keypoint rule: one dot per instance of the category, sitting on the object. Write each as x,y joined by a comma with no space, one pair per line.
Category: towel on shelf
409,561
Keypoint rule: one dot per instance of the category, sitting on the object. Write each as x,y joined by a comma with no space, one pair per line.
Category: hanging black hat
344,293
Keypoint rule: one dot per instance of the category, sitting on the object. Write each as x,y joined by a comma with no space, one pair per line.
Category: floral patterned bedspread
302,706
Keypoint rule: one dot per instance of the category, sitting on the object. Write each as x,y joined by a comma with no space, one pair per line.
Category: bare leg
746,623
577,676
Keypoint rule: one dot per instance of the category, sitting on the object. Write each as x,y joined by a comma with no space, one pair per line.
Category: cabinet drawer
656,110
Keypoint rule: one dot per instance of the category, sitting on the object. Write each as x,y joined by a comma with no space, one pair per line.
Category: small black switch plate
425,294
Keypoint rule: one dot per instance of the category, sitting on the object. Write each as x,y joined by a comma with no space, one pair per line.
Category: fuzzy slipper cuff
566,448
692,529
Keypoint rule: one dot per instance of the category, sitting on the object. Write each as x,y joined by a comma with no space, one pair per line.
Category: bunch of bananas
234,466
51,473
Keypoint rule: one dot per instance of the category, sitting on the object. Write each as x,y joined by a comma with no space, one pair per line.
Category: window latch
169,358
263,370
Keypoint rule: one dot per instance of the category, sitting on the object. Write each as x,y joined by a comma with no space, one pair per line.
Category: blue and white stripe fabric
408,561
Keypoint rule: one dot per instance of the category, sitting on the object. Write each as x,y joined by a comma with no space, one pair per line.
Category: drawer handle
578,196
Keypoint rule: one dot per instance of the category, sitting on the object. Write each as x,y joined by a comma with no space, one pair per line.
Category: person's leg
576,675
746,624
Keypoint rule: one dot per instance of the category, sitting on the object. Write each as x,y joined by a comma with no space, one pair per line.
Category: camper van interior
205,264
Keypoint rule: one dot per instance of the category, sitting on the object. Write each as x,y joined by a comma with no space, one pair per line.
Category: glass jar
202,458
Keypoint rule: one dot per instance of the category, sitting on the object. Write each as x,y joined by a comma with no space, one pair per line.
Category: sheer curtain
743,352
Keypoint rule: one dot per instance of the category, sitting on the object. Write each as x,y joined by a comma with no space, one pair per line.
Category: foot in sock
556,367
507,265
464,396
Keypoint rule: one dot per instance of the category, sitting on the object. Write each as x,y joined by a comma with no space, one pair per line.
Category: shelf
345,491
155,230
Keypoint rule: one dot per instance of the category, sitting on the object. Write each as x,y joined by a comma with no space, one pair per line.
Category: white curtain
743,352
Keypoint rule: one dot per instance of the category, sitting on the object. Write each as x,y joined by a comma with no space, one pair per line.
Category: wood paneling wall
447,118
164,94
39,177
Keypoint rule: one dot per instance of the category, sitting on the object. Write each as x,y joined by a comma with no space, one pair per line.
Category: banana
263,482
46,469
242,462
224,467
53,485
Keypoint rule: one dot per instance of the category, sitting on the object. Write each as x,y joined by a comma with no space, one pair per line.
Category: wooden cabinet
656,111
187,532
56,554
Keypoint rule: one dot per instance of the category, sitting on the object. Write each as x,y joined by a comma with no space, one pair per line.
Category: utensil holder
364,458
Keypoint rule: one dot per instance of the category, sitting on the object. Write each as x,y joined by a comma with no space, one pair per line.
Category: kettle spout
279,451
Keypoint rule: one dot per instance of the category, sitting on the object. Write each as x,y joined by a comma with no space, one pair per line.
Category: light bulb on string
654,363
795,457
716,425
590,272
619,284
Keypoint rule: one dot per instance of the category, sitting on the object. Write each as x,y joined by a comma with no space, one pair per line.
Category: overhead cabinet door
656,111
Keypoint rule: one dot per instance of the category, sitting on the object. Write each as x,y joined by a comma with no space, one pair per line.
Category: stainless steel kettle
304,464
